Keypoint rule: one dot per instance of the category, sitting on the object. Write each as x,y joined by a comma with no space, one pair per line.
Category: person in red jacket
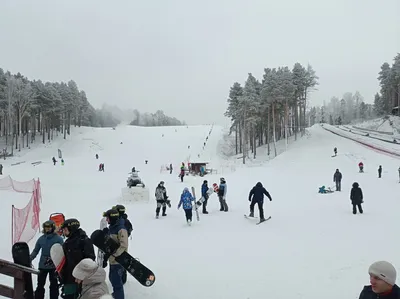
361,166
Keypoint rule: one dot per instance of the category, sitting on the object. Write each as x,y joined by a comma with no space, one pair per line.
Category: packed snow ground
313,245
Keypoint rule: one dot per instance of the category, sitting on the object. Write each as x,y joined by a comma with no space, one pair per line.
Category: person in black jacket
337,178
76,248
257,196
383,282
356,197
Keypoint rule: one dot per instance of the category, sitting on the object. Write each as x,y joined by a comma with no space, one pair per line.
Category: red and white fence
24,222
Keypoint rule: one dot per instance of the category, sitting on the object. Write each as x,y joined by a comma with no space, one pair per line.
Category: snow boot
164,211
251,214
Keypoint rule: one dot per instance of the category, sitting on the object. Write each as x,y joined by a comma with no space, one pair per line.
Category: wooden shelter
196,168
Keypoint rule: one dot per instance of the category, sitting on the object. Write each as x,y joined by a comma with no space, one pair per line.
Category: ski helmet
205,182
49,224
120,208
112,215
72,224
222,180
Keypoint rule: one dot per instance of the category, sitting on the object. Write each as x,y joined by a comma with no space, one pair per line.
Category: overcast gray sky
182,56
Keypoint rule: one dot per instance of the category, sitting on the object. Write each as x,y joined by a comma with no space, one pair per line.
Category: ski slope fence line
24,222
373,131
379,149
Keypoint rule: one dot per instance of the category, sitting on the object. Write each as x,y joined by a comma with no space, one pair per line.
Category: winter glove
49,263
105,230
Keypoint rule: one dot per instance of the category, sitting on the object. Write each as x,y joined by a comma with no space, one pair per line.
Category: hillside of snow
312,244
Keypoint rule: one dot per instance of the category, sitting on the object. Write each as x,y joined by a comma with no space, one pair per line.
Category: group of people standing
81,277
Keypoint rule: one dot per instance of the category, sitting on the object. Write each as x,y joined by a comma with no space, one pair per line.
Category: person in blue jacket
204,194
256,196
46,265
186,202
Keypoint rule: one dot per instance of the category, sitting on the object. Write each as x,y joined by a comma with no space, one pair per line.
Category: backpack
128,225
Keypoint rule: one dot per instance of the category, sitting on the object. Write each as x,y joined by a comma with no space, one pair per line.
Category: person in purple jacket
186,202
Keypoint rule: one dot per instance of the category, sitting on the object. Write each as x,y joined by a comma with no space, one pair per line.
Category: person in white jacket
92,277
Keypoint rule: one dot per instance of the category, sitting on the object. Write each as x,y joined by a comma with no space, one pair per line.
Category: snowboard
202,199
20,254
58,257
109,246
100,254
215,187
245,216
195,206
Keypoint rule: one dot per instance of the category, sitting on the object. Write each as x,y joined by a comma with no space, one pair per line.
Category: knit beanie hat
384,270
84,269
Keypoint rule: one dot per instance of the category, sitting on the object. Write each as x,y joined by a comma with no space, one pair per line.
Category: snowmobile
134,180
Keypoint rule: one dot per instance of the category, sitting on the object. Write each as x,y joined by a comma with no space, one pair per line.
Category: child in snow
46,265
92,277
186,201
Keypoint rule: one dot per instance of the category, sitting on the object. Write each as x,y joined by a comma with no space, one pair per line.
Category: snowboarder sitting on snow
324,190
356,197
186,201
76,248
222,189
337,178
118,232
162,199
361,166
92,278
256,196
46,265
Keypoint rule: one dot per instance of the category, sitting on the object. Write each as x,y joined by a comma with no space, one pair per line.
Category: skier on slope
335,151
46,265
162,199
337,179
186,201
222,190
380,171
256,196
361,166
204,194
118,232
77,247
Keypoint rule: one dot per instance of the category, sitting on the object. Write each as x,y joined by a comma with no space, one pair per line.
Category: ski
263,220
20,254
132,265
195,204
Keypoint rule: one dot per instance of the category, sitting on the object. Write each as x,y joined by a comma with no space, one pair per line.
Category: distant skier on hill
256,196
335,151
361,166
380,171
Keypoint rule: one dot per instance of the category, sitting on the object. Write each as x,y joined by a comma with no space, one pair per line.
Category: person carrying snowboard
356,197
186,201
77,247
162,199
46,265
204,194
380,171
256,196
222,189
118,232
92,278
123,217
361,166
337,178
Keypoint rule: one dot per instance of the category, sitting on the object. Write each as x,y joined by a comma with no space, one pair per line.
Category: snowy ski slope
312,247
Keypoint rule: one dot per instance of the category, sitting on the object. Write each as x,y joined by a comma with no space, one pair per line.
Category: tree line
271,109
154,119
29,108
352,108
